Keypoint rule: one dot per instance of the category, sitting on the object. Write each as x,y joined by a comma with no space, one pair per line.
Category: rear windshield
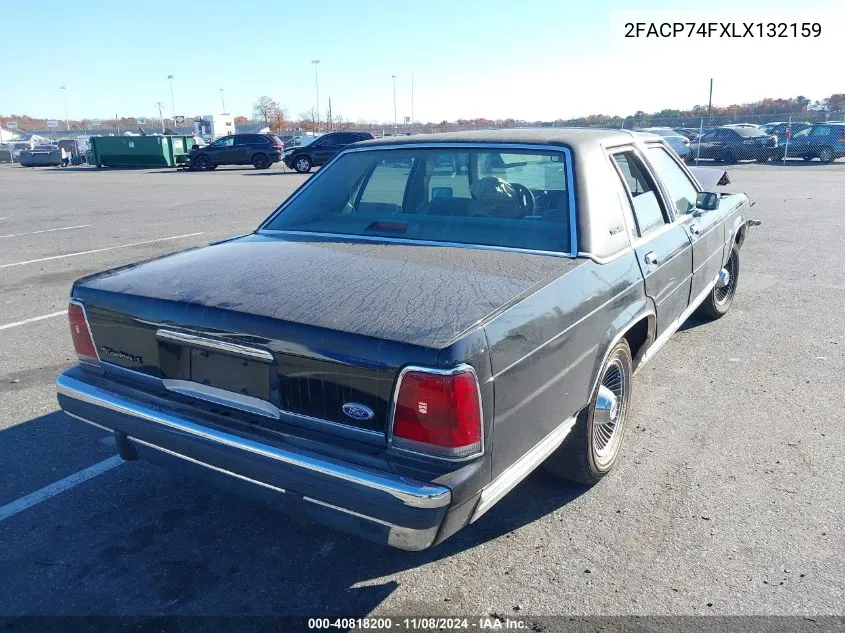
512,198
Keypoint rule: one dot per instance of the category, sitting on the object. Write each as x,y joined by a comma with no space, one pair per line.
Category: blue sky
532,59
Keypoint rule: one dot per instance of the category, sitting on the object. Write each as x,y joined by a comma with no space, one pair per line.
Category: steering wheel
525,197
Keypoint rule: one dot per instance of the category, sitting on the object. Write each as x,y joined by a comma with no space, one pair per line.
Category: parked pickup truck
418,327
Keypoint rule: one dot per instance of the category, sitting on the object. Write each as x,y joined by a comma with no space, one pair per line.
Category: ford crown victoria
418,327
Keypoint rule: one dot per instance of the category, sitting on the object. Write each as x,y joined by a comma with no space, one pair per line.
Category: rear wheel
591,449
302,164
729,158
201,163
826,155
260,161
719,301
808,158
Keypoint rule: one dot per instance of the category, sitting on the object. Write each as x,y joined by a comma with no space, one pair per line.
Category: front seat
495,197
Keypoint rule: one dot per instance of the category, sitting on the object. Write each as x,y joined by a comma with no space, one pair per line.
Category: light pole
222,101
316,63
160,116
394,104
172,102
63,88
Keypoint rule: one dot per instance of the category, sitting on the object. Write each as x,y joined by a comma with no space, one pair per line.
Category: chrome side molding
521,468
660,341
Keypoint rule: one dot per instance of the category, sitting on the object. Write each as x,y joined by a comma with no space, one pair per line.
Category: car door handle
650,258
693,229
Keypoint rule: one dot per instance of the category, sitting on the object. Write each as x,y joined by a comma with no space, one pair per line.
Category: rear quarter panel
545,351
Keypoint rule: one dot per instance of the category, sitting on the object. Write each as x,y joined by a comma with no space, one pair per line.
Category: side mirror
707,201
441,192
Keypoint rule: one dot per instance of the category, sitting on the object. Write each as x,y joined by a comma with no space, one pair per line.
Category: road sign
180,118
52,124
12,125
141,120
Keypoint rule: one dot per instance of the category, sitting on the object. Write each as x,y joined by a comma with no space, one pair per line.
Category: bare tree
340,123
266,108
308,120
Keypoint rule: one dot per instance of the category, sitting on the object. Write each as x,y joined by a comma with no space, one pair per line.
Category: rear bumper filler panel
377,505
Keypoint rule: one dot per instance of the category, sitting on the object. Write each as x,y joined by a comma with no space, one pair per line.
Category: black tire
581,458
201,163
302,164
826,155
729,158
808,158
719,301
260,161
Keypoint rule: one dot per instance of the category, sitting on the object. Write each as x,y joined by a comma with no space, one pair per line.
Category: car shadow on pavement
142,540
694,321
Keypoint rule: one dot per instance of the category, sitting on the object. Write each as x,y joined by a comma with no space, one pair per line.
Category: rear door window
648,210
821,130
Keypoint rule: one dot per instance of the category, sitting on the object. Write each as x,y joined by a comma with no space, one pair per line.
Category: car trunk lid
305,326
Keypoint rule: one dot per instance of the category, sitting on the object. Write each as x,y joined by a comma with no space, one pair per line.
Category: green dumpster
180,147
139,151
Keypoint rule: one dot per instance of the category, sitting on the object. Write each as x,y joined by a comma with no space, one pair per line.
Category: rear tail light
841,139
80,332
686,141
438,413
278,145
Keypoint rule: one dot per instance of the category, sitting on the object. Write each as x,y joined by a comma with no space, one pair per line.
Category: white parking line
64,228
32,320
19,505
99,250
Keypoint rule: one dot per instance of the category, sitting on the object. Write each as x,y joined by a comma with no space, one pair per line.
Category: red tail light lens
438,413
841,139
83,343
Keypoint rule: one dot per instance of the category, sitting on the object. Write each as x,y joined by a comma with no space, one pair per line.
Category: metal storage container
140,151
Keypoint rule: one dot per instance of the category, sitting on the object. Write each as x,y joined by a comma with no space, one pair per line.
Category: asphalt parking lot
728,500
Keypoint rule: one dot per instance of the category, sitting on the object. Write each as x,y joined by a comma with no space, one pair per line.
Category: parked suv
825,141
258,150
321,150
780,128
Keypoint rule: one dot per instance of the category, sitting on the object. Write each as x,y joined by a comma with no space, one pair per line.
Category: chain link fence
806,134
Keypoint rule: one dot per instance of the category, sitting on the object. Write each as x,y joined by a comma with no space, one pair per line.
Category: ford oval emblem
357,411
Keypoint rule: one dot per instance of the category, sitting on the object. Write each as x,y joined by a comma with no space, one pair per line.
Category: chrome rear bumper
377,505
